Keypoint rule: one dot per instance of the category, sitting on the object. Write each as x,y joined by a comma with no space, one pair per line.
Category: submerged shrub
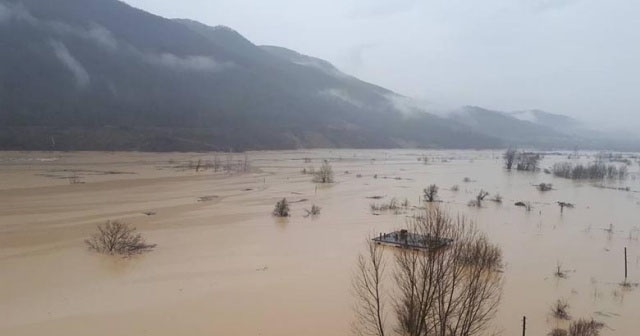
430,193
324,174
528,161
315,210
117,238
585,328
594,170
282,208
479,198
393,205
560,310
545,186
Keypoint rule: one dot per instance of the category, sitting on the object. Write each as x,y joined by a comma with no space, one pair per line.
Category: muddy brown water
225,266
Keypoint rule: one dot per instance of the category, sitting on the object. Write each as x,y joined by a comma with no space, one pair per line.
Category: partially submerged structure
406,239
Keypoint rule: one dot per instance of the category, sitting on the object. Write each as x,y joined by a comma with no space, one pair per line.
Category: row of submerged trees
594,170
529,161
523,161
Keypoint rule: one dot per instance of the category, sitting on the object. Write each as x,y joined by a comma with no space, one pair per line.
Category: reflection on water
230,268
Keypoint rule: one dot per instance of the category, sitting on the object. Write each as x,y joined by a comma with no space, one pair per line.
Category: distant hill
557,122
539,129
516,132
102,75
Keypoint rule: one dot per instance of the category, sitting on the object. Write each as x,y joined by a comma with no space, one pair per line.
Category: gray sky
575,57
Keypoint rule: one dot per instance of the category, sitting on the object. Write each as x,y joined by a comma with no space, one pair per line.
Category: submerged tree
528,161
118,238
523,161
560,310
480,198
594,170
367,286
544,187
430,193
315,210
324,174
564,205
453,290
281,209
509,158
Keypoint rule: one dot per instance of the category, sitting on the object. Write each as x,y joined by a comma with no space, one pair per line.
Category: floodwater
225,266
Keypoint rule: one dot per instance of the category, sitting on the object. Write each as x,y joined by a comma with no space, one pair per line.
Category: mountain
514,131
540,129
557,122
102,75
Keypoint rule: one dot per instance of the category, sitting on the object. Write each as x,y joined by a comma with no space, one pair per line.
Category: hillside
540,129
101,75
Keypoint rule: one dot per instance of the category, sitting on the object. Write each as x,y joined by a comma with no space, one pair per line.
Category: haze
571,57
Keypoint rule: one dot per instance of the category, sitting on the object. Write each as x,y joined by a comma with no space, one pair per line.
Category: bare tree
324,174
563,205
509,158
453,290
367,286
585,328
217,164
479,198
559,272
245,165
315,210
560,310
594,170
118,238
430,193
228,165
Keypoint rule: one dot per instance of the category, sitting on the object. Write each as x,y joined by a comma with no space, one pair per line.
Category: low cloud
103,38
408,106
79,73
343,96
186,63
94,33
18,12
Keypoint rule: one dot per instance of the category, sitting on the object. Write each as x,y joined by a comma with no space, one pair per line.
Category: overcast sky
575,57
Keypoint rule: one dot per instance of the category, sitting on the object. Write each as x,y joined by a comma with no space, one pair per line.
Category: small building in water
406,239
